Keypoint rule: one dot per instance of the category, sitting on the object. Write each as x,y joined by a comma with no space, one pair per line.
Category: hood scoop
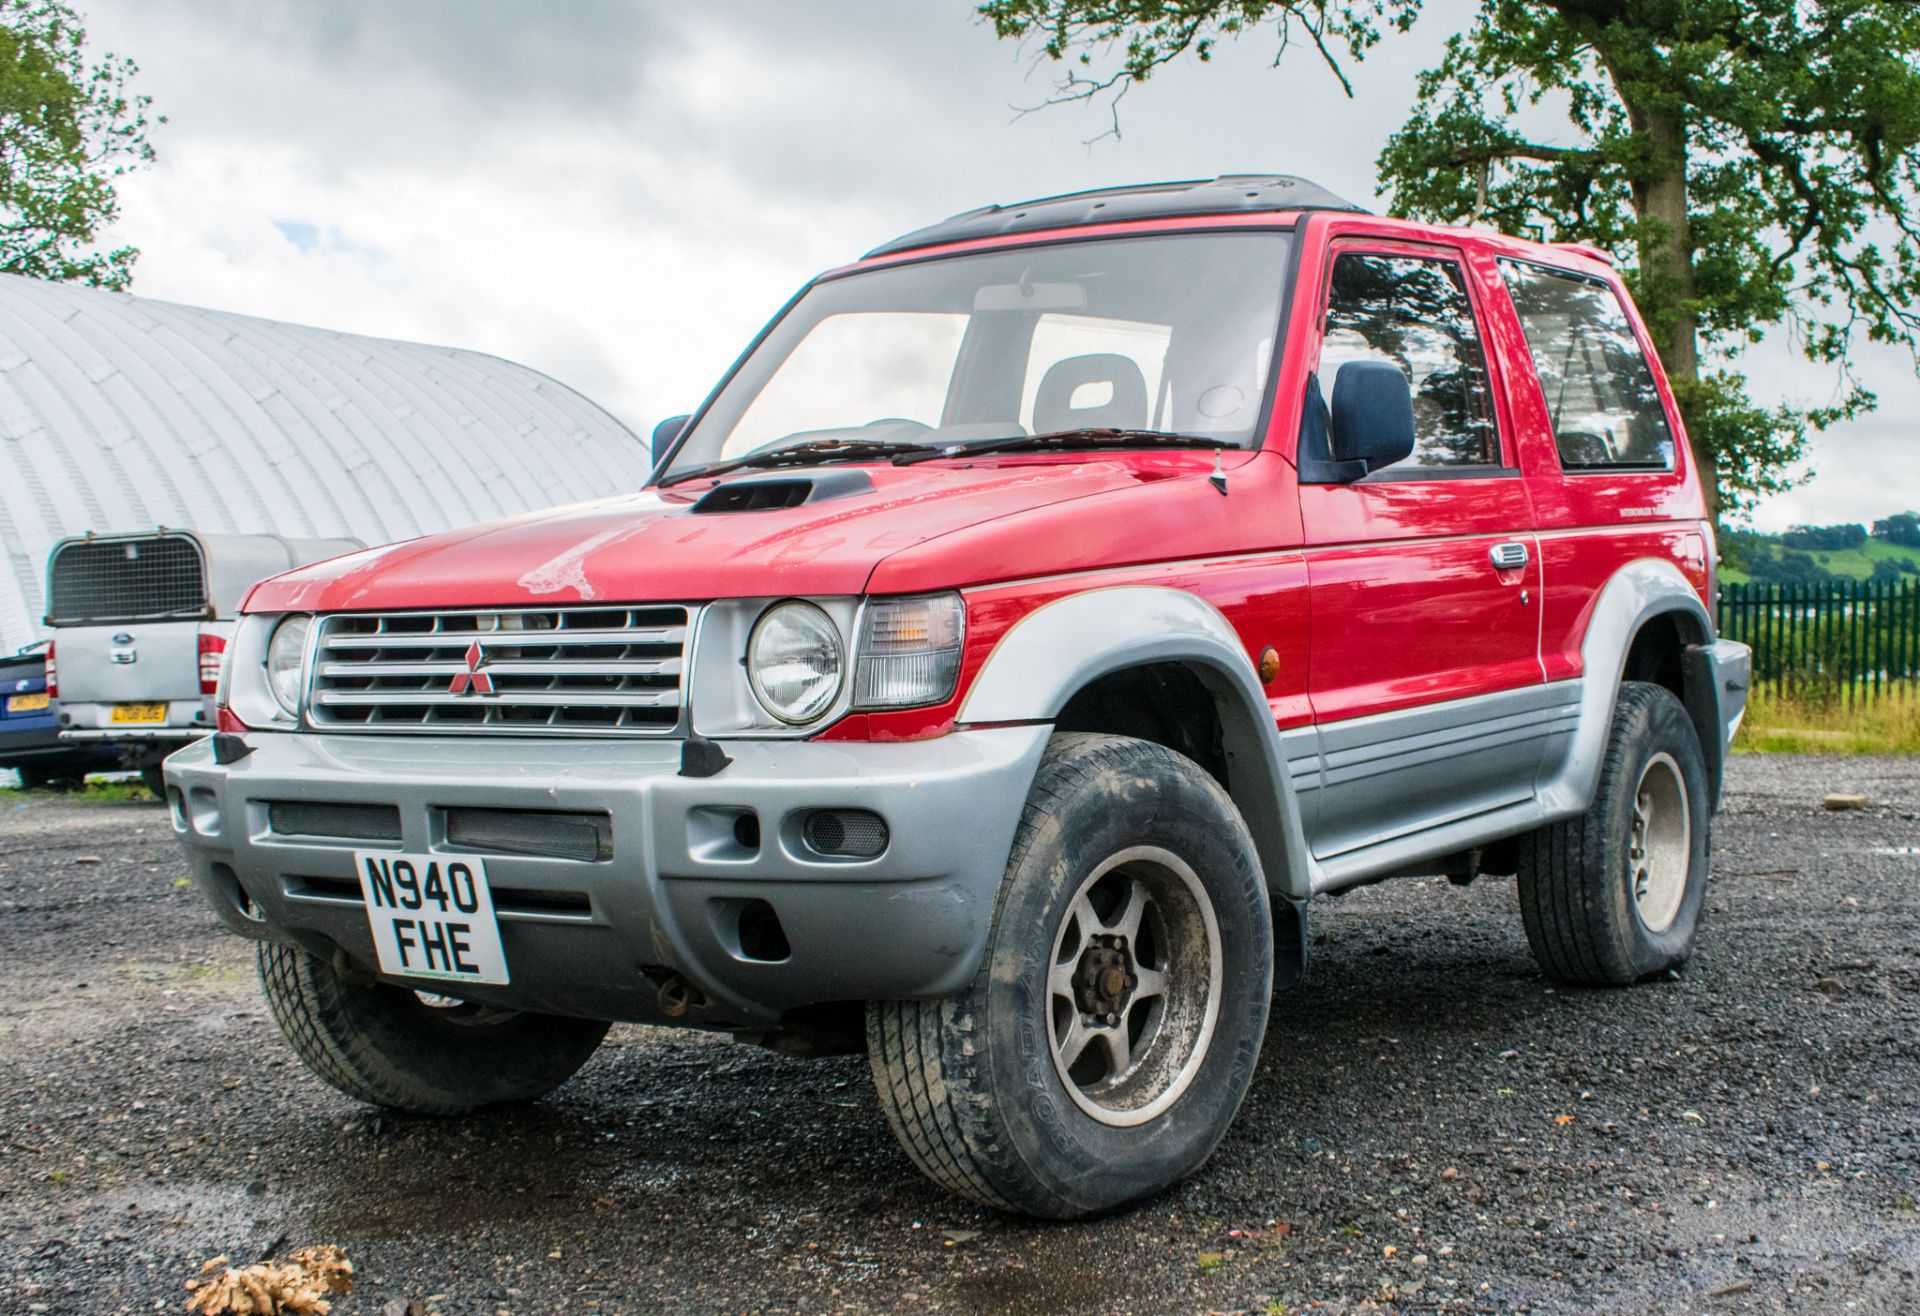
770,493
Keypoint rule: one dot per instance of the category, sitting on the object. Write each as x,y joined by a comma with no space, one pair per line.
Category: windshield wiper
813,453
1099,437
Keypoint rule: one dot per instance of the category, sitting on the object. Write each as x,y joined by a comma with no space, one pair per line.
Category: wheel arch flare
1061,648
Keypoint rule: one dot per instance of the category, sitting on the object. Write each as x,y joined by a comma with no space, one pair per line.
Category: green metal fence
1851,640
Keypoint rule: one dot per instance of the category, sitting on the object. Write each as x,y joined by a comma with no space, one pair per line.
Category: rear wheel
1112,1030
414,1051
1614,896
155,781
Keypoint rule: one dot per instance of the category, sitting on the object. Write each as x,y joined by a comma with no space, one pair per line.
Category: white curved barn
120,414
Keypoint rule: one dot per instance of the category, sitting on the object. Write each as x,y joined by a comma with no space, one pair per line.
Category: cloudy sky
620,192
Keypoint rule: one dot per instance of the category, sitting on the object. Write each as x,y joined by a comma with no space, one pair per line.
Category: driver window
892,365
1414,312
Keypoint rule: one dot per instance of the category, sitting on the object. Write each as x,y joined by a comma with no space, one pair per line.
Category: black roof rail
1229,194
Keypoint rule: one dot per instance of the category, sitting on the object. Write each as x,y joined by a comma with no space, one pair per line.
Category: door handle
1510,556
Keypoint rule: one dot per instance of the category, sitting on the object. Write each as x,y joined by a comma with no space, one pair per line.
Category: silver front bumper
592,937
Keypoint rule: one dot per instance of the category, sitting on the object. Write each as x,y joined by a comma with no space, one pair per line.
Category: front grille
608,671
126,580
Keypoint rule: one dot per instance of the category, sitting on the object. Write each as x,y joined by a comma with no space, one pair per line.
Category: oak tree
1753,165
69,127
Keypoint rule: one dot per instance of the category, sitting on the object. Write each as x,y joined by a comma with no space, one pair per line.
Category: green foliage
1791,568
1753,448
1902,528
68,129
1752,165
1829,537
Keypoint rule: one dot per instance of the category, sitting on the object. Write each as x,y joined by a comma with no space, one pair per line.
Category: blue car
30,741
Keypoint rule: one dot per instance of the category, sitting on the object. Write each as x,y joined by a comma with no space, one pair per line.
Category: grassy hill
1889,549
1847,564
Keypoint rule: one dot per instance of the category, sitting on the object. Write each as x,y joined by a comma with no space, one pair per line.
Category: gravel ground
1433,1127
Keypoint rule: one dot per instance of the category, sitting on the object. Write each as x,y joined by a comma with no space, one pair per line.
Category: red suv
1039,614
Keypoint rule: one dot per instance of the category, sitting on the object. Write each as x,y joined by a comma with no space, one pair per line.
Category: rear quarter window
1602,401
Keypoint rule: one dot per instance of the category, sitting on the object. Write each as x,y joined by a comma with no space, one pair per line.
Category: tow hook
349,970
675,996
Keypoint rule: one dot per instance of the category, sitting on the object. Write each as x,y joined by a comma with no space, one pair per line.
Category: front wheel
413,1051
1113,1027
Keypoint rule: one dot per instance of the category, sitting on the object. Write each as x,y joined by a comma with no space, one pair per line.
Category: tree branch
1468,155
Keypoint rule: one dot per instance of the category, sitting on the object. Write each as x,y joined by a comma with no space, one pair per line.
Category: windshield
1171,334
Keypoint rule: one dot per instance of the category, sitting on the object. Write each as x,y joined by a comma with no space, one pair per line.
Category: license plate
432,916
146,714
27,703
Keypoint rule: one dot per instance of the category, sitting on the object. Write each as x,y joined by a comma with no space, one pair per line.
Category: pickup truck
1043,610
140,623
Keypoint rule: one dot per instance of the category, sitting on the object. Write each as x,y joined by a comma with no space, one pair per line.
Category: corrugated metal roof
118,413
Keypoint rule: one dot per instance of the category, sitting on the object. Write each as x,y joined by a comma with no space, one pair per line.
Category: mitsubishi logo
473,678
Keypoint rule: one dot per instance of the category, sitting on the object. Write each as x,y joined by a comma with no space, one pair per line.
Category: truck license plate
27,703
432,916
144,714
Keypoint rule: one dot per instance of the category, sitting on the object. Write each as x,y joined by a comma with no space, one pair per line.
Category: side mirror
664,434
1372,420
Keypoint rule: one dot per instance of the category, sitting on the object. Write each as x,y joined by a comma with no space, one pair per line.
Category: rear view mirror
664,434
1372,420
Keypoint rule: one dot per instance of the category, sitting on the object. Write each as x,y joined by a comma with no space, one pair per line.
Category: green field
1849,564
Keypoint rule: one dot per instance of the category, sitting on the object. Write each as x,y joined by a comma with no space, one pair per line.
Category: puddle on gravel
436,1177
214,1216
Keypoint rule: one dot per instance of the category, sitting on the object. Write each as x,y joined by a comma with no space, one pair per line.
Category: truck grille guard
126,578
573,670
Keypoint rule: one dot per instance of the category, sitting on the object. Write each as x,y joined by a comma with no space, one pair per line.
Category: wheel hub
1659,843
1105,979
1134,987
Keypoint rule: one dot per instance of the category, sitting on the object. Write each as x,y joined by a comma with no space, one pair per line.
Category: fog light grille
845,833
583,836
349,822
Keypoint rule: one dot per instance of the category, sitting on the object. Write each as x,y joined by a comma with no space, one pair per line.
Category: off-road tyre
970,1084
385,1046
1576,878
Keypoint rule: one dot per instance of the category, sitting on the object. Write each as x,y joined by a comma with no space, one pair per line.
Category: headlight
794,662
285,653
910,651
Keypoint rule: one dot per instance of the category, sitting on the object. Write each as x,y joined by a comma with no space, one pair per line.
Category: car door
1424,577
